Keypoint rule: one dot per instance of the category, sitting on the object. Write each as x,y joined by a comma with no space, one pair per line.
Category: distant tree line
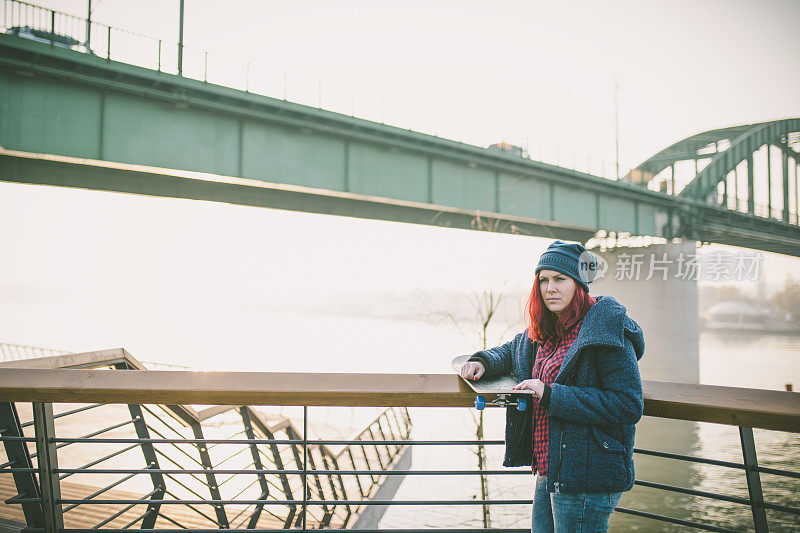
787,301
784,303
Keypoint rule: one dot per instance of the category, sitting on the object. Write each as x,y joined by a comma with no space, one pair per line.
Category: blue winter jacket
595,401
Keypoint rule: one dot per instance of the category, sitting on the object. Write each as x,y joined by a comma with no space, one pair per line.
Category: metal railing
311,483
759,210
261,473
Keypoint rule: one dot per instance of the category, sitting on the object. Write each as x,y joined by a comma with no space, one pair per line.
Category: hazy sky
526,72
529,72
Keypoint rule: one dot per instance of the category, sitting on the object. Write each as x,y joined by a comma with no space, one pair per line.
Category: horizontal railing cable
180,469
172,442
693,492
67,413
168,519
101,491
300,502
195,509
268,530
691,458
183,485
99,432
235,454
271,441
86,467
141,517
174,471
226,440
142,500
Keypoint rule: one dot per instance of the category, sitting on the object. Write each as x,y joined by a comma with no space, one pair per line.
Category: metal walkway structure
222,467
70,117
187,495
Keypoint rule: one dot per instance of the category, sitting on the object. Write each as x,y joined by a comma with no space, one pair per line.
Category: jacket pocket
606,442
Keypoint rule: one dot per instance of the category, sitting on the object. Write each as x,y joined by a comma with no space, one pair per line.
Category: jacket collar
602,326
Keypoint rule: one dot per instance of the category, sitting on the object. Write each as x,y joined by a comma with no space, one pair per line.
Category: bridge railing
761,210
317,476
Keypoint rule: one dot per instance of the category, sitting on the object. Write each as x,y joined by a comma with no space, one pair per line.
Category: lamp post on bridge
616,124
180,42
89,25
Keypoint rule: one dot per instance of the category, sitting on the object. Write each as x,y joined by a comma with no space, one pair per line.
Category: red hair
543,324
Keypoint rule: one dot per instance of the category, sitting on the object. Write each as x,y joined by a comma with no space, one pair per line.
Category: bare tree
482,312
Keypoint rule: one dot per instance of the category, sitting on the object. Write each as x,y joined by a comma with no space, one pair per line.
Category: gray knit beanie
572,260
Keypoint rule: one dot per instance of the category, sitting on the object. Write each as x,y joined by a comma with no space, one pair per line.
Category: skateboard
500,386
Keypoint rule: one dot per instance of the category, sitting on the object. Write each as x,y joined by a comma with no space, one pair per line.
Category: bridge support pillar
665,306
657,284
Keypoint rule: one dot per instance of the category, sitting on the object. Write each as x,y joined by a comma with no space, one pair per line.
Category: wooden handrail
114,356
100,359
755,408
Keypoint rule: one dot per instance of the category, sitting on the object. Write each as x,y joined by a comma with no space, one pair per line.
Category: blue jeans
560,512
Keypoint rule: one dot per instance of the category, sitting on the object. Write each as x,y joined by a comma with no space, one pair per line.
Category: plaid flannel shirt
548,362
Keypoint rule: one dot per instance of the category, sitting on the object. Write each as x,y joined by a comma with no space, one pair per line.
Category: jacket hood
608,324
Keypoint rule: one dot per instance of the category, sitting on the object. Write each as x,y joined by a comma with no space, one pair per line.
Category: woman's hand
472,370
532,384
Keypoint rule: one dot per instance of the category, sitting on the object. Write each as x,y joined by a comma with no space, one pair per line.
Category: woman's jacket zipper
557,484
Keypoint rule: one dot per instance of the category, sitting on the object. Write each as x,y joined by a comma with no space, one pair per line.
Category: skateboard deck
501,386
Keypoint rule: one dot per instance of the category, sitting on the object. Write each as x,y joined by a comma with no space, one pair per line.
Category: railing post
327,513
328,518
211,479
372,477
340,478
753,479
257,464
377,451
108,49
305,467
298,459
17,453
44,427
149,452
358,478
278,460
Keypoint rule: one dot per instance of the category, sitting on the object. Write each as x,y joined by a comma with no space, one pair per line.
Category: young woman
580,357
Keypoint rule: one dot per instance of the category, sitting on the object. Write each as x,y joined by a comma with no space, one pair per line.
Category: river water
216,287
278,342
742,360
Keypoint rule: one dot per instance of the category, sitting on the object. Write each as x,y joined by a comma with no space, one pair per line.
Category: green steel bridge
76,115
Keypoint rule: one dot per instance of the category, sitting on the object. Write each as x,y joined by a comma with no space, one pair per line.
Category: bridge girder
515,193
741,149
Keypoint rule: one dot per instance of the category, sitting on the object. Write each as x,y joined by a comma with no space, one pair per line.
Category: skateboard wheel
522,404
480,403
